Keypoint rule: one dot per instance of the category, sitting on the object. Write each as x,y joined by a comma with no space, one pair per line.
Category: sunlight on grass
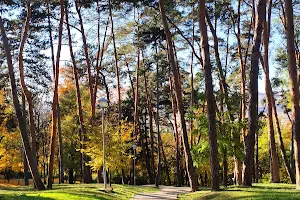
257,192
74,192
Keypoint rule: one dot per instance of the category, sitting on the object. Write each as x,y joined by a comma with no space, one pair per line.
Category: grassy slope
74,192
257,192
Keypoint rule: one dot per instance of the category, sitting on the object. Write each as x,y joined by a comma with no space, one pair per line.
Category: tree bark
25,90
294,87
253,90
178,92
21,120
274,165
211,103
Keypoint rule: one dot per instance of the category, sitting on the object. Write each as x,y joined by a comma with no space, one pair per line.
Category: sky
275,42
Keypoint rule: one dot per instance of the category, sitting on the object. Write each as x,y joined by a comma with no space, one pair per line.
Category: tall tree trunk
85,169
177,173
87,175
178,92
60,144
294,87
116,63
211,103
25,90
224,91
274,165
30,155
55,99
253,90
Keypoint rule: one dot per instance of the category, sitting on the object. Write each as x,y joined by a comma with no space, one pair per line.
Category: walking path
165,193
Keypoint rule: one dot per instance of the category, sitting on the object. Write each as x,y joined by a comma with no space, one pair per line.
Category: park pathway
165,193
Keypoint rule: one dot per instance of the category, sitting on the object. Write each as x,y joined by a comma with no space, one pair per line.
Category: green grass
257,192
74,192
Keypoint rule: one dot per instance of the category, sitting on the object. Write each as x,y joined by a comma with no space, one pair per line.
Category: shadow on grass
22,197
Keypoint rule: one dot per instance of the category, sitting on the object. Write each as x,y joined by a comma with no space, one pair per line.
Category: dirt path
165,193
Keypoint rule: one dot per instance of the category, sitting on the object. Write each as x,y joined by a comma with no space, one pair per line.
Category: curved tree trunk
178,92
25,90
210,98
21,120
253,90
55,99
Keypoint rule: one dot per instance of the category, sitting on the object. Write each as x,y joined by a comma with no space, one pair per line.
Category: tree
211,103
252,121
178,92
274,165
55,99
294,85
21,120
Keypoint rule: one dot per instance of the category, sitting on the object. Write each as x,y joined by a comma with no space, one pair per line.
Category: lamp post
134,152
103,104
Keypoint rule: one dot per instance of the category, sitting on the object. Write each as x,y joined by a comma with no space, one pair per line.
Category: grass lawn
257,192
72,192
